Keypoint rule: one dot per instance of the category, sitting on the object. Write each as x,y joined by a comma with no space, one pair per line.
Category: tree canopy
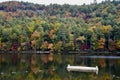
59,23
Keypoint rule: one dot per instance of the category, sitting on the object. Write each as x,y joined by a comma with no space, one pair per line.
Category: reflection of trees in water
42,65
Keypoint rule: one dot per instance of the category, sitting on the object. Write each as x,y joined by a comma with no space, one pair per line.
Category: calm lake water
54,67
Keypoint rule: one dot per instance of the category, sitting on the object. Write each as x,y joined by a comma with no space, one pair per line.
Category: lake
54,67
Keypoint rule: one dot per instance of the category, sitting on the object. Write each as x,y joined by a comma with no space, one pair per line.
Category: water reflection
53,67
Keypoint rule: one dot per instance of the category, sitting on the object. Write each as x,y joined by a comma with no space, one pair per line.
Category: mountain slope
55,23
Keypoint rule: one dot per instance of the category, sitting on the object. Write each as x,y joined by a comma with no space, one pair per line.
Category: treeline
25,26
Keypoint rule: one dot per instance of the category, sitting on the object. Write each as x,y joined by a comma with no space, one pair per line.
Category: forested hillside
26,26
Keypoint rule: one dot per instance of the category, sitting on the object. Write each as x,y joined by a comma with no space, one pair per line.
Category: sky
47,2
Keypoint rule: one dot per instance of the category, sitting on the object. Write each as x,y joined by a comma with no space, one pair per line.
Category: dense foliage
33,26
